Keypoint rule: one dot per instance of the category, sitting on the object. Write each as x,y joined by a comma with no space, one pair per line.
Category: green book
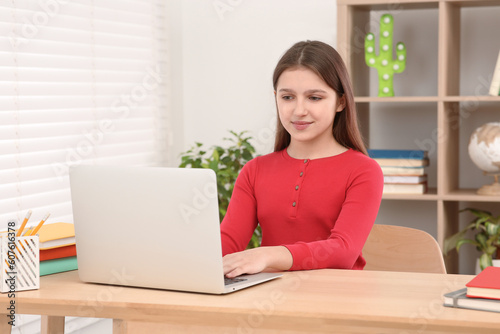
58,265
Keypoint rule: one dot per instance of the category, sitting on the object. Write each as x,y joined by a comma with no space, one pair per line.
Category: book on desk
57,248
459,299
481,293
486,284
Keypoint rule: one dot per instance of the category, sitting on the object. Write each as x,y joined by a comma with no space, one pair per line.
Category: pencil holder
20,263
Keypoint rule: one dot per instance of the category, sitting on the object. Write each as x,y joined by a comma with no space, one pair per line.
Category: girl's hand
256,260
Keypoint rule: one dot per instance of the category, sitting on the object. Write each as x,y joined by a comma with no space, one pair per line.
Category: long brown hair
325,61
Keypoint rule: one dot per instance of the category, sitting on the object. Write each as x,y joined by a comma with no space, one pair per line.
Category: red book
57,253
486,284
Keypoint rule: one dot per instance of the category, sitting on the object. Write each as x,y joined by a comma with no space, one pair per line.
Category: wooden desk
334,301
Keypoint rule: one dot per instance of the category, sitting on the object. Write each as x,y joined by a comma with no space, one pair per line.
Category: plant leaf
492,229
477,212
247,155
214,165
485,261
490,250
462,242
480,221
452,241
215,155
482,240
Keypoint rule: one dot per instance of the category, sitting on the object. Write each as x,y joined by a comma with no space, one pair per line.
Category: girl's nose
300,108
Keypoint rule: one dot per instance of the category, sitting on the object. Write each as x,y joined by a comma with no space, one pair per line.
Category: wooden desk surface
322,300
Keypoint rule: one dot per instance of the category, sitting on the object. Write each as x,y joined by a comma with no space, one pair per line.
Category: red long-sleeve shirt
322,210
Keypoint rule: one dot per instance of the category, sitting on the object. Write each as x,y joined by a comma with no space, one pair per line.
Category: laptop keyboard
229,281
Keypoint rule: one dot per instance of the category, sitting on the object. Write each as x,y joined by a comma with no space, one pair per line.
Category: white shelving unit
353,17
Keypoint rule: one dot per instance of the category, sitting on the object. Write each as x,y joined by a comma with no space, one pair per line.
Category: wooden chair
398,248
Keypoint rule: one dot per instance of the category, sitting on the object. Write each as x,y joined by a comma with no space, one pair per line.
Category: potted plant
226,162
486,238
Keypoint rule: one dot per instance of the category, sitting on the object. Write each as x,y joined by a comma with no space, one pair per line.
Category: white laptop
151,227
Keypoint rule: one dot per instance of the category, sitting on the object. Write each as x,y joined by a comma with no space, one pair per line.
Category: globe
484,151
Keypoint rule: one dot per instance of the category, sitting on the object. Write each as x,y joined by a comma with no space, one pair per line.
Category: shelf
396,99
402,99
470,98
460,195
475,3
448,42
469,195
415,4
389,4
430,196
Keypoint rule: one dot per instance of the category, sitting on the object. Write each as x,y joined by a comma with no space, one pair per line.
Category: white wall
225,59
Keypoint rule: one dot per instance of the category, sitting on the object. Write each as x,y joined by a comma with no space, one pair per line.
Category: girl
317,195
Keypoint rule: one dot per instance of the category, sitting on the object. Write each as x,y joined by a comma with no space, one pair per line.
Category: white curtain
81,81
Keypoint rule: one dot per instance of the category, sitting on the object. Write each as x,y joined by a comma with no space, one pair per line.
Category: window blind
81,82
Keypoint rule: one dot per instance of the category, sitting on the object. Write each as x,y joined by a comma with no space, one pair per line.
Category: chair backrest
398,248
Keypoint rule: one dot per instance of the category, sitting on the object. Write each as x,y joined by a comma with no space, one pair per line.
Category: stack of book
481,293
403,170
57,248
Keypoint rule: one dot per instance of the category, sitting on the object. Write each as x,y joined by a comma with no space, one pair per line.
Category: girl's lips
301,125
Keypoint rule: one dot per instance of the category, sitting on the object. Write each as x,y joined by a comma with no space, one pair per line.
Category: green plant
486,239
226,162
383,62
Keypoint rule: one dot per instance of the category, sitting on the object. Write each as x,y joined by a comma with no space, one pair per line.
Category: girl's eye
315,98
287,97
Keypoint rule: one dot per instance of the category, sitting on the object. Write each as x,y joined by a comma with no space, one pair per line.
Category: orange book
57,253
56,235
486,284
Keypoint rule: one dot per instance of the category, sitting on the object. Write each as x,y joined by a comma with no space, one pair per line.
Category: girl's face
307,106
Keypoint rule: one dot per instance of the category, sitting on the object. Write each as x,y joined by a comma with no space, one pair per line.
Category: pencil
35,231
28,215
28,231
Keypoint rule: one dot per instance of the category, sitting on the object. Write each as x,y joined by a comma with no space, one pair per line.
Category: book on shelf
399,158
409,179
58,265
486,284
388,170
495,81
397,154
403,188
387,162
459,299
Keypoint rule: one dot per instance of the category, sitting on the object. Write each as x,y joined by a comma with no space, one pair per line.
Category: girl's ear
341,103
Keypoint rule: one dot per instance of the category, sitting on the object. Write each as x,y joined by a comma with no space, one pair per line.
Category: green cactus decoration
383,62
